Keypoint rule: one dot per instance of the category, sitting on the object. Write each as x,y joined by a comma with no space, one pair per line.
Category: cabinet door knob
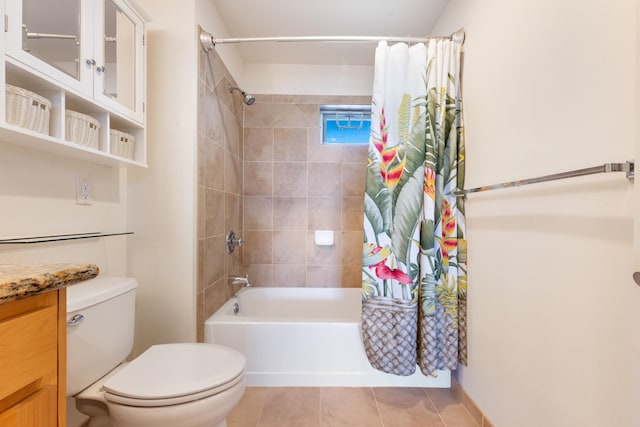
101,69
91,62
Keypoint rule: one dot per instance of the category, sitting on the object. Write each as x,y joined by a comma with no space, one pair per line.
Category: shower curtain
414,254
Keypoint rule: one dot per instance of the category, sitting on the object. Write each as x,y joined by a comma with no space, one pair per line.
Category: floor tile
291,407
355,407
451,409
247,411
406,407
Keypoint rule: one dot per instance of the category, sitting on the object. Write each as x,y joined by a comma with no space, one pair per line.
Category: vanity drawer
28,346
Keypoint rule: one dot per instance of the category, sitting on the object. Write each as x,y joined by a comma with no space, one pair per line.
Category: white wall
163,197
38,197
306,79
550,86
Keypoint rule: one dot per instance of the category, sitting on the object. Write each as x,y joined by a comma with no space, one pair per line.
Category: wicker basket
390,329
81,129
27,109
121,143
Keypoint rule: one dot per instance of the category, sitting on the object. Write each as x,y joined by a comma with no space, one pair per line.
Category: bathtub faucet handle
233,241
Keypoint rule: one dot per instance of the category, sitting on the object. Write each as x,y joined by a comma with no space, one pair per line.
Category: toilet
169,385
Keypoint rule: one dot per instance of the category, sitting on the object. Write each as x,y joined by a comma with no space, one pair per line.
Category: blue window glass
345,124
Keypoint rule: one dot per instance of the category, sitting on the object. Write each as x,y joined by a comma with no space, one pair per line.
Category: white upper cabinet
92,47
80,66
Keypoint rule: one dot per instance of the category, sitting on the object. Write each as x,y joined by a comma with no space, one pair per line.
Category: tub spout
239,280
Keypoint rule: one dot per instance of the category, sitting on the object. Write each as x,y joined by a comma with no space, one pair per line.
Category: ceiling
274,18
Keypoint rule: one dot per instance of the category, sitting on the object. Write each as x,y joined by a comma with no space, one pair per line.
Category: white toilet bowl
169,385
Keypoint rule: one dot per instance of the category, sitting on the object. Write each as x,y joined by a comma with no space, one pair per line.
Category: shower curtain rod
209,42
627,167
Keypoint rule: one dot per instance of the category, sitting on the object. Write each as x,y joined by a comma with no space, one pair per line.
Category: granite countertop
23,280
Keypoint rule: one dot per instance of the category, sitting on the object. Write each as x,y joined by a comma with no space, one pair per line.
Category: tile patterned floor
354,407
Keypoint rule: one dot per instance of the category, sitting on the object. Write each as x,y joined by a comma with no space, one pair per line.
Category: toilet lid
177,372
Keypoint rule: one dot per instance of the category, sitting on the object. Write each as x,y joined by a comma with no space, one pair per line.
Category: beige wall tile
351,276
324,213
349,407
260,274
233,213
264,115
323,276
293,117
214,253
232,133
214,119
324,179
214,297
294,275
356,153
323,153
312,112
201,212
231,100
289,213
257,248
214,166
406,407
352,247
232,173
289,247
258,144
200,318
353,179
201,257
290,179
352,213
323,255
258,213
202,150
214,213
211,68
290,144
258,178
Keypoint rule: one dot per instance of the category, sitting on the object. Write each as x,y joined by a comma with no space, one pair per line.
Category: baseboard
470,405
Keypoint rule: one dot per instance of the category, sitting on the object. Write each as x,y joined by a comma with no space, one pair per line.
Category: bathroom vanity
33,342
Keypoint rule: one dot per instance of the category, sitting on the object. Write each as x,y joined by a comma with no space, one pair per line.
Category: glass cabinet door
53,37
54,41
120,48
94,47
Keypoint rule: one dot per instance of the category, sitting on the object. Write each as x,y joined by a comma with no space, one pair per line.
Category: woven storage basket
390,329
81,129
27,109
121,143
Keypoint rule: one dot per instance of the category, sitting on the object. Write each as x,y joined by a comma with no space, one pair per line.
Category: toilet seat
171,374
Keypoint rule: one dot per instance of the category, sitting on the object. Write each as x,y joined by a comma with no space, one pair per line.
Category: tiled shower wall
219,184
294,185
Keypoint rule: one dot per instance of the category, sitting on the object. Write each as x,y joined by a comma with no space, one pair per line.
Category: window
345,124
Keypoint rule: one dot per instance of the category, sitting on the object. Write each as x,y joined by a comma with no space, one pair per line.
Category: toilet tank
102,337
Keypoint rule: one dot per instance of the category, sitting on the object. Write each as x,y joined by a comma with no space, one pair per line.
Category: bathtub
303,337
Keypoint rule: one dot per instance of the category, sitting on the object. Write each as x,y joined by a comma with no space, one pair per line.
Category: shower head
248,99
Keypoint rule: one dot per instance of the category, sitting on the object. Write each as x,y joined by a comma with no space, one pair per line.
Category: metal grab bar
627,167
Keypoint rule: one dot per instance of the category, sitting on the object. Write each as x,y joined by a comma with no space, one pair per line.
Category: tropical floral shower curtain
414,255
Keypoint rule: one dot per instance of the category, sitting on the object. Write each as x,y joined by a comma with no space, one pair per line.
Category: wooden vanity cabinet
33,361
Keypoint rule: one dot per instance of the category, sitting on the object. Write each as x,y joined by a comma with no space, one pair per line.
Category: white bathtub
303,337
